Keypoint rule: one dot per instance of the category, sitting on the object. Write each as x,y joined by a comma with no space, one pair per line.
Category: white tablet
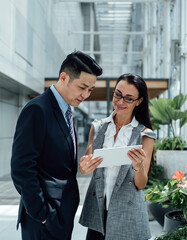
116,156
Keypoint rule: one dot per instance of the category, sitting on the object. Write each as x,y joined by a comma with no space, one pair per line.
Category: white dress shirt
122,139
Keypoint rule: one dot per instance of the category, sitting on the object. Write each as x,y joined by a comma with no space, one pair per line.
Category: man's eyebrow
85,85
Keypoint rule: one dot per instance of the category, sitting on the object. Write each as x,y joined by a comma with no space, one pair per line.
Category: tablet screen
116,156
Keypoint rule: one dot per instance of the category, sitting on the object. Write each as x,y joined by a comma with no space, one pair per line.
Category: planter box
170,223
172,160
158,211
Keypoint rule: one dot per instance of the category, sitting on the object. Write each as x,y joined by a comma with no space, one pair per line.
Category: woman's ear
139,101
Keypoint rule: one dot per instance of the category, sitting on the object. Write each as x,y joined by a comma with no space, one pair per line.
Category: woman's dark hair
140,112
78,62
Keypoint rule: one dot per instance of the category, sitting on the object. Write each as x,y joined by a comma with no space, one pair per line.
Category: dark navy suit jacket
43,166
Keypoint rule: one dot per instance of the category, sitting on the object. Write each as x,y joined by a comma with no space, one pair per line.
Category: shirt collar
61,102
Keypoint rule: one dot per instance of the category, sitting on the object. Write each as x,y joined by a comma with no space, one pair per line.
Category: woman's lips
121,108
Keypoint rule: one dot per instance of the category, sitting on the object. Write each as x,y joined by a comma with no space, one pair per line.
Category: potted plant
174,192
157,209
179,234
165,111
156,180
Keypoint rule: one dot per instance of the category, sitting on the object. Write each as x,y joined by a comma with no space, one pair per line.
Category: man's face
76,91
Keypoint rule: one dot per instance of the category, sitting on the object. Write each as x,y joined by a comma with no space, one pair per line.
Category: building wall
33,44
68,17
8,113
183,58
166,22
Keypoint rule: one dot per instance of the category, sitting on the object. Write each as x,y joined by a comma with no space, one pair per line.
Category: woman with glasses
114,207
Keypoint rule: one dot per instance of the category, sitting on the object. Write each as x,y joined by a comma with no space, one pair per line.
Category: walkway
9,200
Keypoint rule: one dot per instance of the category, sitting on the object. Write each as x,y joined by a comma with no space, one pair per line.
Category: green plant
179,234
175,192
165,111
169,143
155,177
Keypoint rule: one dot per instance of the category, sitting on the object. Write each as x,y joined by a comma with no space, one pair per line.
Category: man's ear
64,76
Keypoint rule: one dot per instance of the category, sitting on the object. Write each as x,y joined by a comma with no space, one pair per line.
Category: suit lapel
65,130
61,121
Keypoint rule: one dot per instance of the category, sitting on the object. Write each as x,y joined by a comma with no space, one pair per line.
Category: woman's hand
138,157
87,165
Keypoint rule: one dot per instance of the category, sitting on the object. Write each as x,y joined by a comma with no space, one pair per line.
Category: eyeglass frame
124,98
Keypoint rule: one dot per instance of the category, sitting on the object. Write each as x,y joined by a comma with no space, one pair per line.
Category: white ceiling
119,28
114,21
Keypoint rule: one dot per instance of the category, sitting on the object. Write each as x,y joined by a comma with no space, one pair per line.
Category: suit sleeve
27,146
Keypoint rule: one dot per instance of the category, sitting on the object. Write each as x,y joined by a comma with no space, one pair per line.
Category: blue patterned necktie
70,121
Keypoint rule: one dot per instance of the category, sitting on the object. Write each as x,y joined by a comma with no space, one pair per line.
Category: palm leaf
184,119
178,101
158,110
174,114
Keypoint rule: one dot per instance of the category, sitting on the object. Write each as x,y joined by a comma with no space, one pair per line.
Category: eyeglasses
125,99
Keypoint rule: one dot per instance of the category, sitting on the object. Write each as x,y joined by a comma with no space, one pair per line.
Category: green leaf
169,143
179,100
174,114
165,111
185,213
173,182
184,190
158,110
184,119
152,193
148,197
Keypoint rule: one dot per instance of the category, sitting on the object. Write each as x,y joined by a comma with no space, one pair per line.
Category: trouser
34,230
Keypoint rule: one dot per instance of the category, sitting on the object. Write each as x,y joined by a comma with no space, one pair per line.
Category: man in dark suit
44,153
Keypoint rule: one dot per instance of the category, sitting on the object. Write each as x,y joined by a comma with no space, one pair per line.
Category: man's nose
86,94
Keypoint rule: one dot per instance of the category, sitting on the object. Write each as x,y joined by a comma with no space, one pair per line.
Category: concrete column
145,39
184,58
129,56
166,42
91,31
153,40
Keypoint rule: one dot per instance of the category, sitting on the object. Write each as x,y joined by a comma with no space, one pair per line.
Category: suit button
130,203
94,193
130,183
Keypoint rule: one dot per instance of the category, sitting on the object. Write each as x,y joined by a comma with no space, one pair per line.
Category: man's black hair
78,62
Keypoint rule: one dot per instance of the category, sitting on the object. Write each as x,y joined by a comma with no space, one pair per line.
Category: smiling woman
115,192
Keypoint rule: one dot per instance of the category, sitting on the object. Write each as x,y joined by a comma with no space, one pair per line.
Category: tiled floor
9,200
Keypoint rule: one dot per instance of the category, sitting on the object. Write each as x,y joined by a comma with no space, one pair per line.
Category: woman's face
131,93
